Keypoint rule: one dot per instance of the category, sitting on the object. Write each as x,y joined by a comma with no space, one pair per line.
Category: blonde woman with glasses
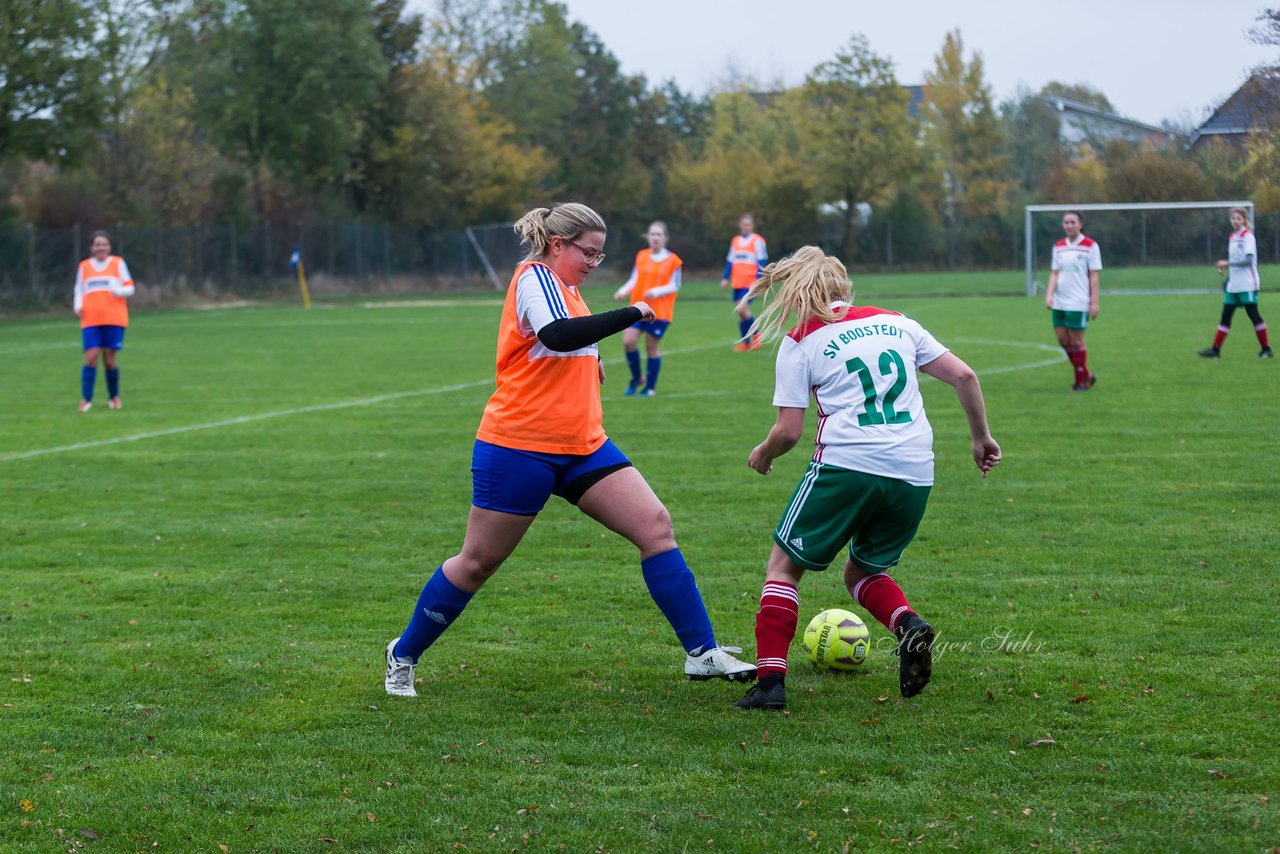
542,435
869,480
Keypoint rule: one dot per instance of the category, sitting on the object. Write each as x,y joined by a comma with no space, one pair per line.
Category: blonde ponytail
808,282
568,220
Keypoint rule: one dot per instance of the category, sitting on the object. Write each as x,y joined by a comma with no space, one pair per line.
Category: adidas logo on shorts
798,543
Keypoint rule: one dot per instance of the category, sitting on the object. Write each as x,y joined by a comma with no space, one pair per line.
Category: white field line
400,395
280,413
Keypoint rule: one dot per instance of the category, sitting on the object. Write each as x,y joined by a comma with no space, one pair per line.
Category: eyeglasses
591,256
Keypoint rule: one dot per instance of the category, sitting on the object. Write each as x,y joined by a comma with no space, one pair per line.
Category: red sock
775,627
883,599
1220,336
1261,329
1076,355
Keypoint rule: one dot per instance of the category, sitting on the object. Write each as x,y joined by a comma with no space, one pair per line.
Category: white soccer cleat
84,406
715,663
114,403
399,681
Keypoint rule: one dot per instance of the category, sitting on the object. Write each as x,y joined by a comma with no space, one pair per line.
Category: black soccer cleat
1265,353
768,693
1209,353
915,654
1087,384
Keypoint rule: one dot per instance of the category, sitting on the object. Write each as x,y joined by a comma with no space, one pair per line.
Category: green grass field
197,591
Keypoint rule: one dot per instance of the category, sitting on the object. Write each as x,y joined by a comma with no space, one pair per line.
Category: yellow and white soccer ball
836,640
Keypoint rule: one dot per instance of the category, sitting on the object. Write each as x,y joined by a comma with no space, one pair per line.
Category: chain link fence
224,262
38,265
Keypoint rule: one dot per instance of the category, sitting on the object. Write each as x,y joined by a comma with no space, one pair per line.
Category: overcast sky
1154,59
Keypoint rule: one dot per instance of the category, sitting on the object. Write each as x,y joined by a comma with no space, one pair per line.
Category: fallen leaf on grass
88,834
223,848
871,722
1216,774
764,739
529,809
882,699
328,839
1083,698
372,818
27,806
1041,742
990,697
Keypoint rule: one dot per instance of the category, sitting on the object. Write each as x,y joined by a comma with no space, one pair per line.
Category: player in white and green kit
1072,294
1241,287
868,483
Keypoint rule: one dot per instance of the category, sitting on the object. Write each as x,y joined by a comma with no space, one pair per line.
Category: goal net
1165,247
498,248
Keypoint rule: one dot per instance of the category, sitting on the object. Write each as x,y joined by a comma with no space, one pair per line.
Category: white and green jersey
1073,263
861,373
1242,262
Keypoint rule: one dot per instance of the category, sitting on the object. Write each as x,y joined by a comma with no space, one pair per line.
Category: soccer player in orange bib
541,435
866,487
655,279
103,285
742,266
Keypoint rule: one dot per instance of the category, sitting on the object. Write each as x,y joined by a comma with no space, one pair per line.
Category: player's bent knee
478,567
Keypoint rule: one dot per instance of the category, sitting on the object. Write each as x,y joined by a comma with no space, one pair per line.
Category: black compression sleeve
573,333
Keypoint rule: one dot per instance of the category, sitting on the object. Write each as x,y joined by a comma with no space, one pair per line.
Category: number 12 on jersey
890,364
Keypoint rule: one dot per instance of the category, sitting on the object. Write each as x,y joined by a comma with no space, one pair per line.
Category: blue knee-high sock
88,377
744,326
655,365
671,584
113,382
633,362
438,606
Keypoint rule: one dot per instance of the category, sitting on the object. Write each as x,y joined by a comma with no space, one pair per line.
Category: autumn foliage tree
967,144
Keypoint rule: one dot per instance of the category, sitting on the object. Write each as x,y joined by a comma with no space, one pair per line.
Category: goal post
498,248
1161,236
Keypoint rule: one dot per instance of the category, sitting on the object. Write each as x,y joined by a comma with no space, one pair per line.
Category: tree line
174,112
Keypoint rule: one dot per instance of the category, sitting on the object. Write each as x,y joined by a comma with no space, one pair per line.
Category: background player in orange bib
542,435
655,279
742,266
103,285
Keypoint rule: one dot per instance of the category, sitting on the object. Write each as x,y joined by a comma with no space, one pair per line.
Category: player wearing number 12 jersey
869,480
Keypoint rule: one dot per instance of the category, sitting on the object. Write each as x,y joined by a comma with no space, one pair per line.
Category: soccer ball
836,640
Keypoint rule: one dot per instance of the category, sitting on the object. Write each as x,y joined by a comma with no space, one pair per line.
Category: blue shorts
656,328
106,337
512,481
738,294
